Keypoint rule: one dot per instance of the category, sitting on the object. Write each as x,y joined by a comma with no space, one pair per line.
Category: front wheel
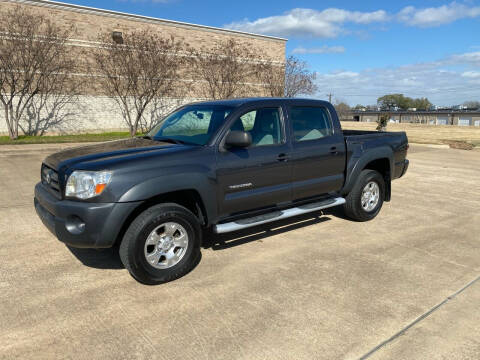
161,244
365,200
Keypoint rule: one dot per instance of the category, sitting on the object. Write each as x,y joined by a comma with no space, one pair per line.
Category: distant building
434,117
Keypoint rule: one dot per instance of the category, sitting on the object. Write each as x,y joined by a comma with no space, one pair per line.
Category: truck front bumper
81,224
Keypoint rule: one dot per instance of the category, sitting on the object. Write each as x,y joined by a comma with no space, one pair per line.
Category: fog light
75,225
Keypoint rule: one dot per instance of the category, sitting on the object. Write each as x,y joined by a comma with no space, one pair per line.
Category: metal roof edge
97,11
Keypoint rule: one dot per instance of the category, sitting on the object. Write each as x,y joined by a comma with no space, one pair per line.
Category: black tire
132,246
353,206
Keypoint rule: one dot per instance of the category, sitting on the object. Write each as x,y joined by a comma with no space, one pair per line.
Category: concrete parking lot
316,287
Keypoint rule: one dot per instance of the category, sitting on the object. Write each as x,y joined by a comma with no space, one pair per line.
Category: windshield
192,124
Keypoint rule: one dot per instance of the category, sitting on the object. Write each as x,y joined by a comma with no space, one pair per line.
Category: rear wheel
161,244
365,200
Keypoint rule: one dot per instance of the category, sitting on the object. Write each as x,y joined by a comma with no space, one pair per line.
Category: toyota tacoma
222,165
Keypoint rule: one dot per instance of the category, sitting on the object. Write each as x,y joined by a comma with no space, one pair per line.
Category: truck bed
360,142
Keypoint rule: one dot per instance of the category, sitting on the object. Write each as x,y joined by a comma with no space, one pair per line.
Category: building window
442,120
464,121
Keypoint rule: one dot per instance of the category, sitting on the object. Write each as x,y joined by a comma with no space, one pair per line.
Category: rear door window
310,123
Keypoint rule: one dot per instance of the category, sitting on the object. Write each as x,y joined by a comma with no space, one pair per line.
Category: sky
359,50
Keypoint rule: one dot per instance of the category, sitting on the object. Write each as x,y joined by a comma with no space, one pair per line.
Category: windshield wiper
164,139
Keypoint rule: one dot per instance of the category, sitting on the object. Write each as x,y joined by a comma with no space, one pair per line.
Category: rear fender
357,164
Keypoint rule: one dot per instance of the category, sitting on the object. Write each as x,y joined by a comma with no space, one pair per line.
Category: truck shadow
257,233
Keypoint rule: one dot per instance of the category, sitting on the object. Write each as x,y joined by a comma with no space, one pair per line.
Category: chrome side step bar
277,215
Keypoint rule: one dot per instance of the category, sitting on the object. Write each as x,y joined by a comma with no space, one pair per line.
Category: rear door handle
333,150
282,157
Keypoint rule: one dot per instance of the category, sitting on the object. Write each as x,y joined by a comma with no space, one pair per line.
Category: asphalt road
316,287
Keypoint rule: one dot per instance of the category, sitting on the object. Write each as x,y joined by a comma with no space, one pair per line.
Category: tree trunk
133,130
10,125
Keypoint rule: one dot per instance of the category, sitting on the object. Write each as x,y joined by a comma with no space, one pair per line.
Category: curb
8,149
434,146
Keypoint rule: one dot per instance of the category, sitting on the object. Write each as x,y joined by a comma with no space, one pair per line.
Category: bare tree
157,110
33,60
56,107
136,71
298,79
473,105
226,69
46,111
272,77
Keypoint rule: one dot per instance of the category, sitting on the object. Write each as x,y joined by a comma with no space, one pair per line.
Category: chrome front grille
50,180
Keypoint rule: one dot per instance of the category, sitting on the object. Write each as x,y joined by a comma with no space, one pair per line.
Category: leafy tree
393,101
420,104
343,110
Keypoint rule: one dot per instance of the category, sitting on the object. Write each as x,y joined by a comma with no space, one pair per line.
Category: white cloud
471,74
472,58
331,22
435,16
342,75
448,81
319,50
327,23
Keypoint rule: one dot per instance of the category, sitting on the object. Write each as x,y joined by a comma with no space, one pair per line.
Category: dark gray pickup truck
221,165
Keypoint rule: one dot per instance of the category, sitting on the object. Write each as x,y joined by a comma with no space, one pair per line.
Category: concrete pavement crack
15,206
418,319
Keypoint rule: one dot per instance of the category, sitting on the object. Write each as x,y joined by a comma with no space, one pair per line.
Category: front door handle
333,150
282,157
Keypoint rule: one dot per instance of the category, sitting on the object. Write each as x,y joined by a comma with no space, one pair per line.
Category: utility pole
330,97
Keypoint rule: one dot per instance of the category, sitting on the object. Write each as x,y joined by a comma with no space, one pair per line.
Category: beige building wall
99,112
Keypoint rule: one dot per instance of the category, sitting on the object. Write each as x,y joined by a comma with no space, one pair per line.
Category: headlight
87,184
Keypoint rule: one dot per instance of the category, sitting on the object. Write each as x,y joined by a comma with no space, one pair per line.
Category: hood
105,150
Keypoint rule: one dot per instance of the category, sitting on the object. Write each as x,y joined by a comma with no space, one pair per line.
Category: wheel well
383,167
380,165
190,199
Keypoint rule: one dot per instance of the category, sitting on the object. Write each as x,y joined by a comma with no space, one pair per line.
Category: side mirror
241,139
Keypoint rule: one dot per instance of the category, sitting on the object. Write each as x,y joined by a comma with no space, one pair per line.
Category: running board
277,215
